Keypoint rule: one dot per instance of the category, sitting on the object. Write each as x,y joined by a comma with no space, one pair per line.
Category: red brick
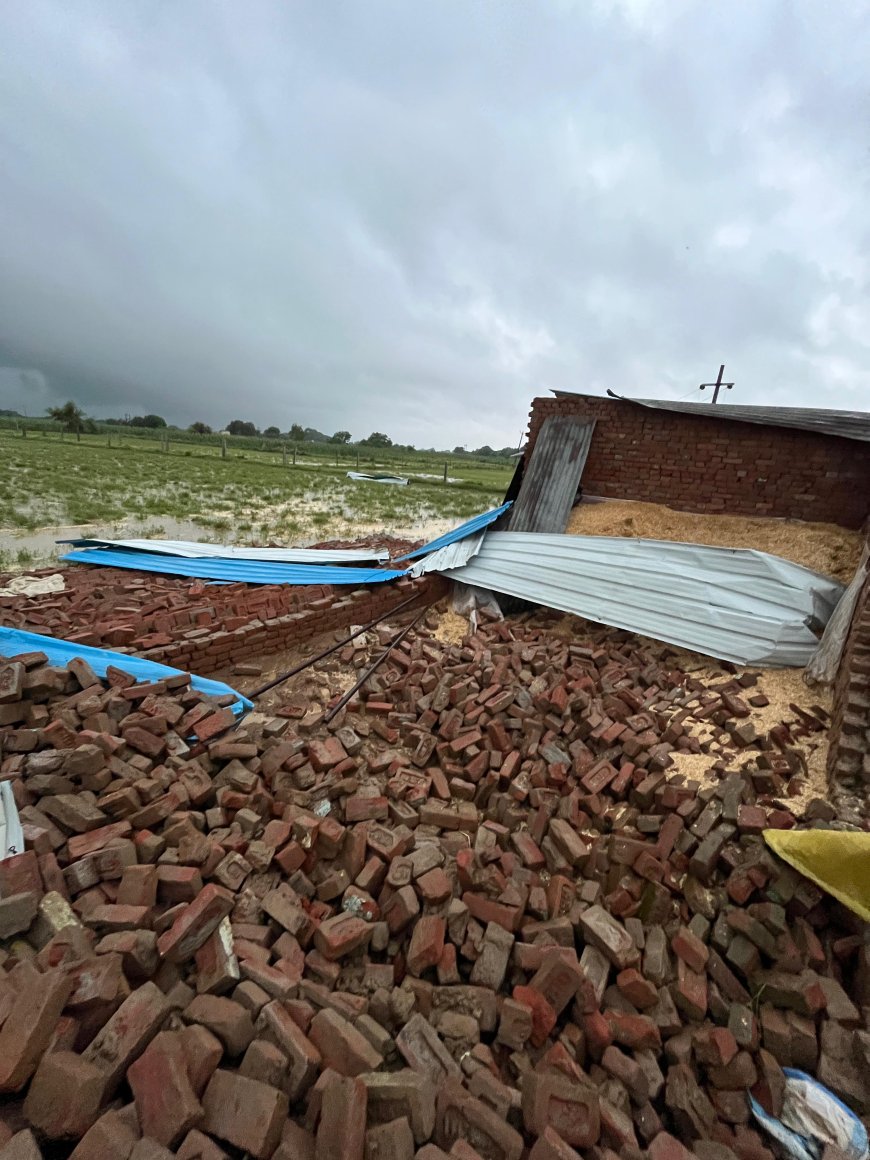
342,1047
569,1108
342,1128
127,1033
427,943
30,1024
166,1103
65,1096
194,925
244,1113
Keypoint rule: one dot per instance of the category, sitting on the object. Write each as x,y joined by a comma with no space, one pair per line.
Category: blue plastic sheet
475,524
244,571
59,652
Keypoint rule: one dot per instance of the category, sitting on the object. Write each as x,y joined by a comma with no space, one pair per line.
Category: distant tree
240,427
272,432
147,421
71,416
459,451
340,437
485,450
297,433
200,428
377,439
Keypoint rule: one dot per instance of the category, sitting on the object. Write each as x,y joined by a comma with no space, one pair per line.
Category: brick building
764,461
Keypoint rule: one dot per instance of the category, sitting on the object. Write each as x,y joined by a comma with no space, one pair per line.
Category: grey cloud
416,217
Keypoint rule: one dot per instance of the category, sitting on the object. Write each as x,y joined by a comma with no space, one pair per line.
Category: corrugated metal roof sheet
551,479
246,571
475,524
845,424
198,550
734,604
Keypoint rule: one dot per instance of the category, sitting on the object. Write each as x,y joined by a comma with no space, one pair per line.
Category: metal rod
328,651
375,664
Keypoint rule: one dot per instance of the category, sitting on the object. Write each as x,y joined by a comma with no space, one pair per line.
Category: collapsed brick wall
207,649
849,753
197,626
698,464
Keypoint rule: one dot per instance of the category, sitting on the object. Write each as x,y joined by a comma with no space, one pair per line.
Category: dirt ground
826,548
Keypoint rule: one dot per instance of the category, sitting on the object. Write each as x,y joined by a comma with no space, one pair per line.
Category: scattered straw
825,548
451,628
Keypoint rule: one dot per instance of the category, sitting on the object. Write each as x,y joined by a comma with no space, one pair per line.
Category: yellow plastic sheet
836,860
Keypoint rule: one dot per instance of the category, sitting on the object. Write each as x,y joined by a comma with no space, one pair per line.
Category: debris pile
480,915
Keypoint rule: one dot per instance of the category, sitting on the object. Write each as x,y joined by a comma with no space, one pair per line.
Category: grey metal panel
826,659
734,604
845,424
551,478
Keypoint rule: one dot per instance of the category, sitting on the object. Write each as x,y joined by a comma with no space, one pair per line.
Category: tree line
74,421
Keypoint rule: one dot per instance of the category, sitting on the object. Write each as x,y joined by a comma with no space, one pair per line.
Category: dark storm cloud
416,217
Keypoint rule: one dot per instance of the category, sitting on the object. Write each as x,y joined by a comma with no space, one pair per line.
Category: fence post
445,471
223,448
284,454
294,456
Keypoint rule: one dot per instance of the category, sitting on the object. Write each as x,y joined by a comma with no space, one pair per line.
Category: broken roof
845,424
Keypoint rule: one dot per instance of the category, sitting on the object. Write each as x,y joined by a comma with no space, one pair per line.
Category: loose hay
452,628
825,548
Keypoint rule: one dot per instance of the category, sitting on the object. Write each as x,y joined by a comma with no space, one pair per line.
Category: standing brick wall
209,649
849,752
716,465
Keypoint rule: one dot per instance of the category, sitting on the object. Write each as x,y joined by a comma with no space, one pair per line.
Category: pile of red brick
475,917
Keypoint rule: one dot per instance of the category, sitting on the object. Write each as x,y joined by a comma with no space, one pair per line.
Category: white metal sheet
197,550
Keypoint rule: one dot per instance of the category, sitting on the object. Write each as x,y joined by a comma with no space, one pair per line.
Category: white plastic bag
811,1118
466,599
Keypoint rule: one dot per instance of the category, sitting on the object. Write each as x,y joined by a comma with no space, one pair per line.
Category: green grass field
190,491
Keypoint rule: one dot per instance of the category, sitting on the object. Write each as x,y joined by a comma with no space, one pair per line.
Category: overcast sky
415,215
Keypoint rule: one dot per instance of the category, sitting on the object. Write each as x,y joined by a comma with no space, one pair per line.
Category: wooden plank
552,477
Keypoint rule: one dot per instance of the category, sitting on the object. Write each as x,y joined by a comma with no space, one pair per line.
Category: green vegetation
119,483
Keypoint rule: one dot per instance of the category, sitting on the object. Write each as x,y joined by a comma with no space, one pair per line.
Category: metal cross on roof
718,384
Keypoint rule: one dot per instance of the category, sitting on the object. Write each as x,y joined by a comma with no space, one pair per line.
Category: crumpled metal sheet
475,524
450,556
734,604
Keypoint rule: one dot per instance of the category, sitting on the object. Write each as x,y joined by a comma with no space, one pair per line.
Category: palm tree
71,416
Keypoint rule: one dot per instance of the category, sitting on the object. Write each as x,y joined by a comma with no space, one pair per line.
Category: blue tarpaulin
59,652
245,571
475,524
